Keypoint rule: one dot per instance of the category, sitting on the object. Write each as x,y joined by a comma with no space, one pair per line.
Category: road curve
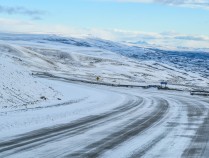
148,124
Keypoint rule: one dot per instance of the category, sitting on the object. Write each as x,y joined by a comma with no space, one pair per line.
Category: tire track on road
38,137
199,145
134,128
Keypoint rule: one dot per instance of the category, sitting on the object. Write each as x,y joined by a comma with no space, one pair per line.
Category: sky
174,23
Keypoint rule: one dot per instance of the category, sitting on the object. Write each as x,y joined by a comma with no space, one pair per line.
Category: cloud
170,39
192,38
204,4
34,14
31,26
186,3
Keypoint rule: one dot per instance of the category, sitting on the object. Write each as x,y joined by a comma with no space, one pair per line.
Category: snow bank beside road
78,101
18,88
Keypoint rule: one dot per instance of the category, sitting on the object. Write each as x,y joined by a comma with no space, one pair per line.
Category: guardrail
52,76
48,75
202,93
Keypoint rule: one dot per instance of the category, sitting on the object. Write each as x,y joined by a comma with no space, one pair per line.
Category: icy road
98,121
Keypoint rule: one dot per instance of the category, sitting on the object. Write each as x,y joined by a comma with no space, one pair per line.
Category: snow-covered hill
115,63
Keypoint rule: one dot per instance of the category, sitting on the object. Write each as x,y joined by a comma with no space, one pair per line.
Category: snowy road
110,122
